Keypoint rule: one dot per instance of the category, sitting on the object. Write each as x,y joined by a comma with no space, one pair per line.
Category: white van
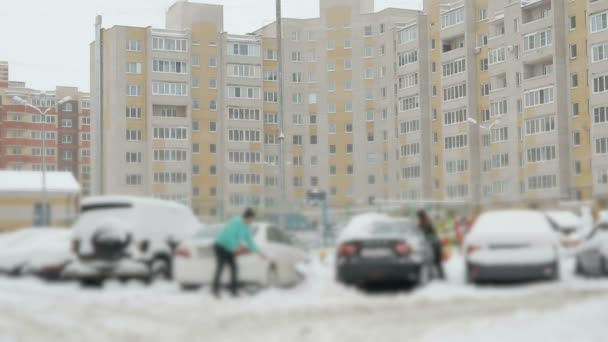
127,237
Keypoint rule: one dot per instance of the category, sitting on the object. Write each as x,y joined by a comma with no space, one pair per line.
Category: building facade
476,101
67,131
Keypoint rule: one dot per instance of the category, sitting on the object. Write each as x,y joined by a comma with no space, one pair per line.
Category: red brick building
67,131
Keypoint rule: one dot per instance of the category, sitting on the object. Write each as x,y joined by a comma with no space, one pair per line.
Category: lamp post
44,212
282,160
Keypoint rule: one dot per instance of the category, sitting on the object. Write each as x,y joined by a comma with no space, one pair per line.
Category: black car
592,259
387,252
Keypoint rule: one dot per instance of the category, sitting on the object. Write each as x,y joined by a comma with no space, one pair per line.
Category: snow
35,247
565,219
31,181
511,221
318,310
358,227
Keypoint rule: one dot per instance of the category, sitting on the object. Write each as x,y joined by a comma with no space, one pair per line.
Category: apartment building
221,91
67,131
476,101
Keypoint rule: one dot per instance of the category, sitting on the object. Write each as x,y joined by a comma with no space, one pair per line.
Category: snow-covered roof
31,181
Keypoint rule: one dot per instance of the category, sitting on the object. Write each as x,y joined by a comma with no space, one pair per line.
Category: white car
194,260
126,238
42,252
512,246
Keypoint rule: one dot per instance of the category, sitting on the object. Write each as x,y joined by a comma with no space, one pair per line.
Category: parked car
375,249
127,237
592,257
512,245
194,262
42,252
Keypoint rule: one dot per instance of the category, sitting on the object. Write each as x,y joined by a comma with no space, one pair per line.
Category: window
331,44
456,141
573,51
409,126
85,136
133,45
409,57
575,109
65,123
601,146
576,138
86,120
408,81
600,84
348,44
452,18
243,70
574,80
457,166
239,92
170,133
132,135
170,178
212,62
271,96
454,116
332,149
295,36
496,55
483,64
599,22
133,90
499,135
572,22
312,56
367,30
169,88
134,157
599,52
331,66
212,148
271,118
454,92
169,66
457,191
538,40
454,67
296,56
544,182
239,135
244,49
133,68
368,52
538,97
169,44
133,179
540,125
483,14
247,114
270,55
409,103
133,113
411,149
541,154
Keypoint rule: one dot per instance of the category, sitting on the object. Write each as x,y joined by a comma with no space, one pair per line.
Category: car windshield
394,229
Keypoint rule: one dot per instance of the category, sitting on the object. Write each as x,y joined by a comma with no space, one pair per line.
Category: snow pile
34,247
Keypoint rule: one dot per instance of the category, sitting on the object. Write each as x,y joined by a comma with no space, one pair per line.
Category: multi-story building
67,131
484,102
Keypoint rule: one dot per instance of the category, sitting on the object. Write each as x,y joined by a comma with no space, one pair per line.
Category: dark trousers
438,251
224,257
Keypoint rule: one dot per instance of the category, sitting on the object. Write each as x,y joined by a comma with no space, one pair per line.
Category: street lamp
44,213
497,120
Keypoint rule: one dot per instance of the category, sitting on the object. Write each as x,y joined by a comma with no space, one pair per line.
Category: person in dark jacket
426,225
227,244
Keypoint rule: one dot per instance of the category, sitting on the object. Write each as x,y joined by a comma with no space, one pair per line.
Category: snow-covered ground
319,310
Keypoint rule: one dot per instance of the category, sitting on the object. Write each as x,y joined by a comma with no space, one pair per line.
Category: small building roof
31,181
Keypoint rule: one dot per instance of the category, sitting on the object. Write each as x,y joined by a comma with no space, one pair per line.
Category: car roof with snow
565,219
512,221
130,200
358,226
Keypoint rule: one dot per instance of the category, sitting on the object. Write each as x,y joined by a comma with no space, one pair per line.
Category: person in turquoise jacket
228,243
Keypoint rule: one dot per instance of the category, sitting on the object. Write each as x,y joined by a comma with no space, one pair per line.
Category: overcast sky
46,41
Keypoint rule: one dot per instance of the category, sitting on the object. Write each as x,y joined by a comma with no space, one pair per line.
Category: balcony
533,10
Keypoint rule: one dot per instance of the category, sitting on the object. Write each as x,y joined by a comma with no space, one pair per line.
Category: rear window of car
394,229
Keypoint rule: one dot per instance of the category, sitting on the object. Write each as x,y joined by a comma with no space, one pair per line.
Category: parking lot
317,310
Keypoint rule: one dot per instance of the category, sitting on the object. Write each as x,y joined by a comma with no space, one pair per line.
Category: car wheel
92,282
160,268
189,287
272,277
